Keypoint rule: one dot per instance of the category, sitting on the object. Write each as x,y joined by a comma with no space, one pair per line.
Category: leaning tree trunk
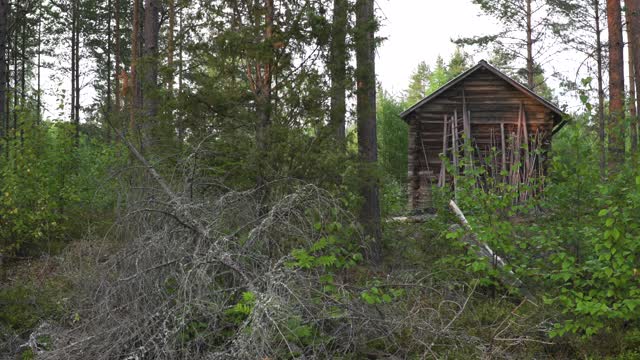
616,87
338,68
366,118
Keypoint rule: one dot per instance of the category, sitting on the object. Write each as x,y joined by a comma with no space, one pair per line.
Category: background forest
224,180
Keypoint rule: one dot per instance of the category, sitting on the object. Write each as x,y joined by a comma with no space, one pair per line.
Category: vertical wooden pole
466,118
454,132
466,126
504,149
443,171
517,150
525,133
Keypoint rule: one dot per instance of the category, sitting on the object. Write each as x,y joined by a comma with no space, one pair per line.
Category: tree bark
73,61
633,20
262,77
151,32
338,68
4,119
633,129
117,59
77,76
366,118
171,43
109,107
39,65
616,87
530,71
601,118
136,99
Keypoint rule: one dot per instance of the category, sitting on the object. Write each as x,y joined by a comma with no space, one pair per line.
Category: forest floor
470,320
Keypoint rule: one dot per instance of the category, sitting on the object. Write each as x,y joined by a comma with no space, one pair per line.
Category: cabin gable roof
558,114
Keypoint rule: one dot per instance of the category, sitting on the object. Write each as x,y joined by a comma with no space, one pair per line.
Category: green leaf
608,271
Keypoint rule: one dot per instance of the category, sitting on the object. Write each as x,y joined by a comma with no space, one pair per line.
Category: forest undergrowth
225,275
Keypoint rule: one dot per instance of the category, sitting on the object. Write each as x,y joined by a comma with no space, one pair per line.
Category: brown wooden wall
490,101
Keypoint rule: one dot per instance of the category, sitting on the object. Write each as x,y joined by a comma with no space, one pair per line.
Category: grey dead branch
164,295
483,250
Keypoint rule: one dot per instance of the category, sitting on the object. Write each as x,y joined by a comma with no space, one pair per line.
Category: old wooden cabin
503,126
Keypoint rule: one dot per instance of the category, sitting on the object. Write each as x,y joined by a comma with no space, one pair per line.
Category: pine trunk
77,75
601,118
616,87
116,75
136,100
39,65
109,107
171,43
530,72
262,78
633,20
366,119
4,120
151,29
338,67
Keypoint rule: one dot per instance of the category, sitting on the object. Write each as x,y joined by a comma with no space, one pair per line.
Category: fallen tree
483,250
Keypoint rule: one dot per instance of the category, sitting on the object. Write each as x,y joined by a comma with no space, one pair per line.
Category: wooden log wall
493,105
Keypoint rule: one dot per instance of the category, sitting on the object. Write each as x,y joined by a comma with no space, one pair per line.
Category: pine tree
366,113
338,58
616,86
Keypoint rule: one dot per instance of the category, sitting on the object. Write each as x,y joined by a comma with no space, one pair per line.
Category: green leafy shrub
46,183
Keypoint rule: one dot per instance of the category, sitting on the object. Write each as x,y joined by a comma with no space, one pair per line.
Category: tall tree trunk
179,122
77,77
109,107
7,80
14,54
116,75
171,43
601,119
633,23
23,74
262,87
75,71
616,87
338,67
73,61
180,51
151,30
135,44
4,119
366,118
530,71
39,93
150,70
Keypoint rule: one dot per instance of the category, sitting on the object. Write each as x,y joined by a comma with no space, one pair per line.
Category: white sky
420,30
